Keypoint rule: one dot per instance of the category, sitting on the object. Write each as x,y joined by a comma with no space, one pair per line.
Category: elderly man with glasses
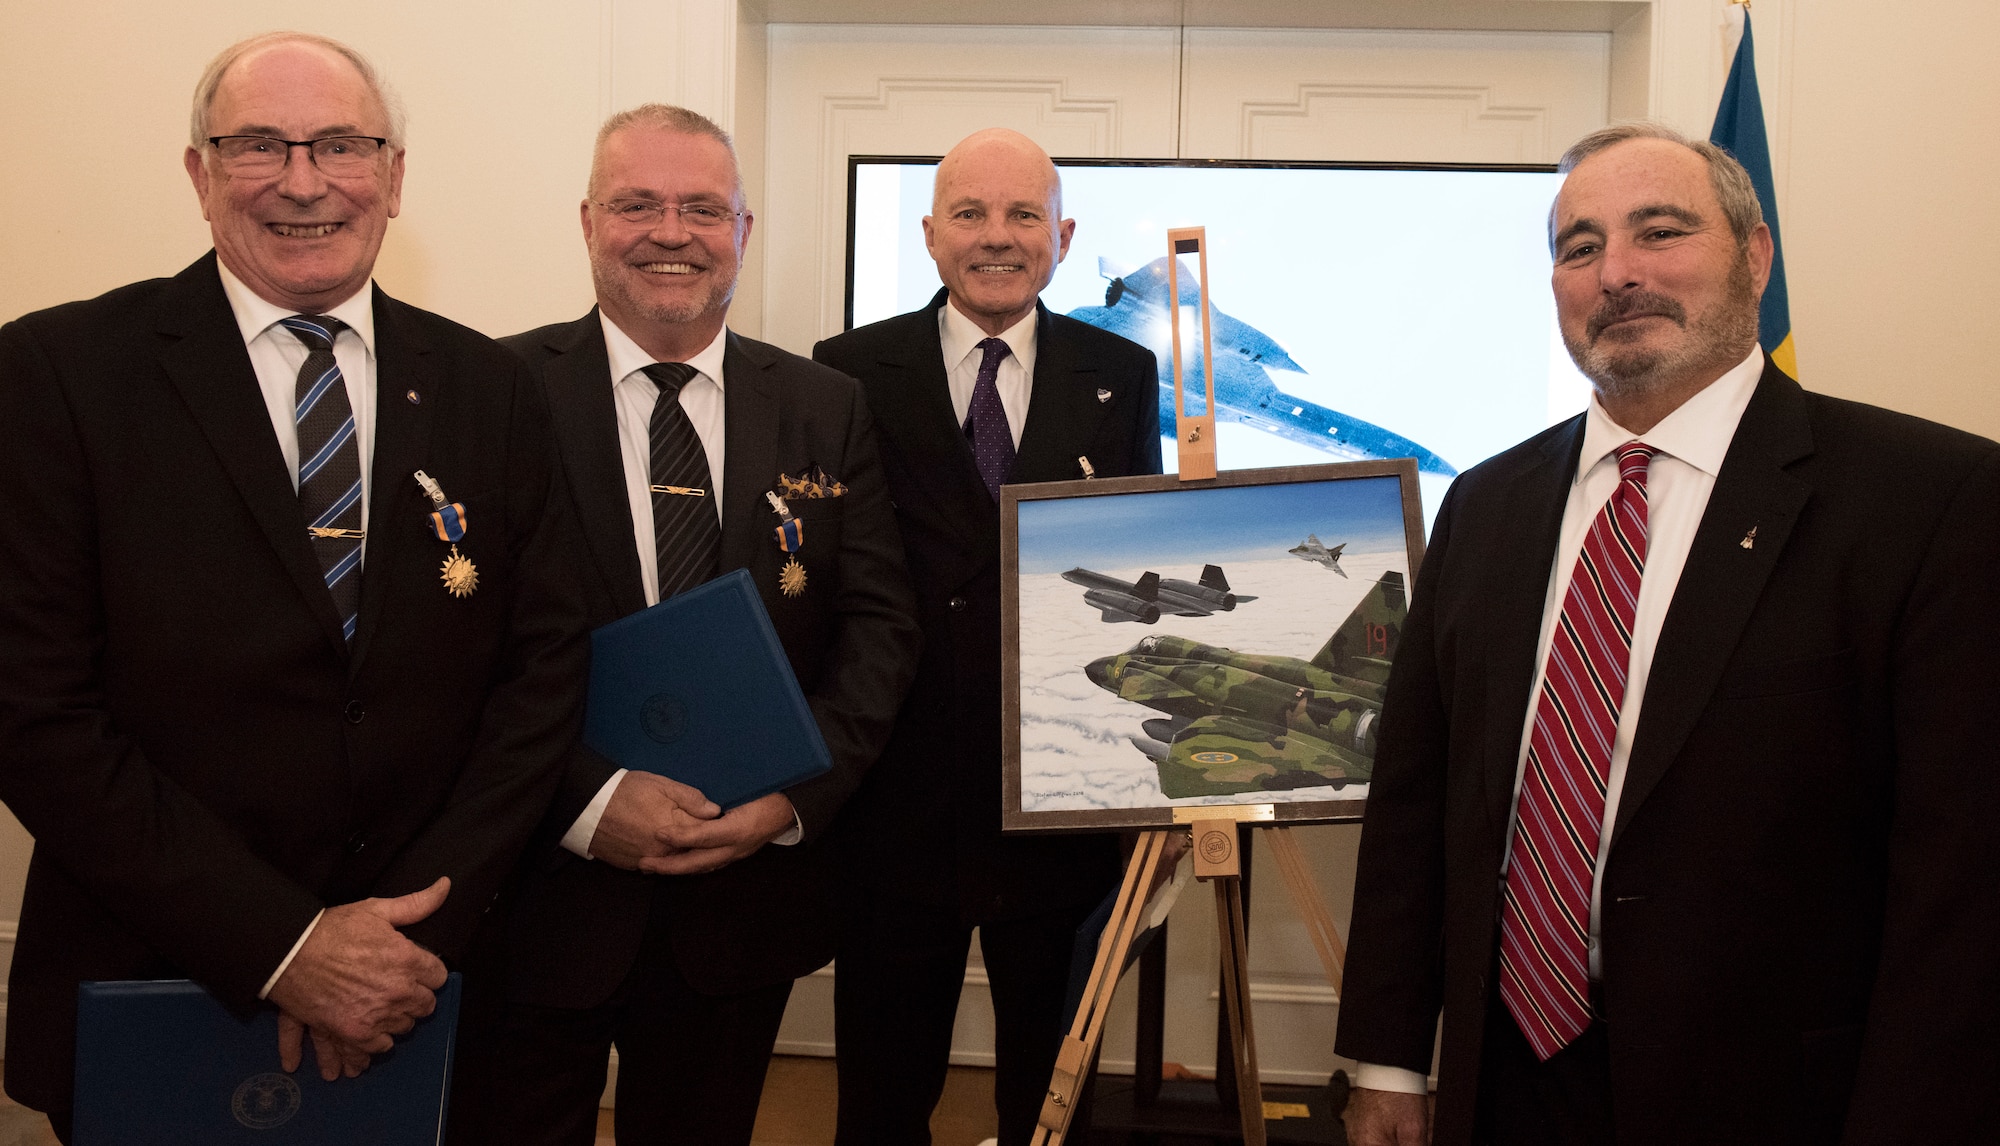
274,726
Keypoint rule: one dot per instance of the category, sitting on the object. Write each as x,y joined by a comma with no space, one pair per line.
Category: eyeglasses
263,155
647,214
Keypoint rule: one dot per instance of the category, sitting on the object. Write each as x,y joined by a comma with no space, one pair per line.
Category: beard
1718,338
613,285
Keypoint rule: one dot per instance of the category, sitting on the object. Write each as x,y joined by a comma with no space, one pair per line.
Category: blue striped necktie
329,464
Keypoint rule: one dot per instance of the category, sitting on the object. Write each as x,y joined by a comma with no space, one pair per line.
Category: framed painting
1173,644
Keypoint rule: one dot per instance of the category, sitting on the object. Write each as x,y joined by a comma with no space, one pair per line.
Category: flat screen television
1363,310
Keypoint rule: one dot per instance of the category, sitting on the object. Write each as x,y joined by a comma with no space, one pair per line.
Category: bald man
983,386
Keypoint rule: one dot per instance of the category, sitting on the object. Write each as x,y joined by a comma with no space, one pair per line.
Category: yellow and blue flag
1739,130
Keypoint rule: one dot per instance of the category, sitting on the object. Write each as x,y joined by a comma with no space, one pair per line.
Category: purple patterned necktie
1559,818
986,420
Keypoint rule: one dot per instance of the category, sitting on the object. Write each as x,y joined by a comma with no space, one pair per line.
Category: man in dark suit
643,918
1734,881
981,387
228,725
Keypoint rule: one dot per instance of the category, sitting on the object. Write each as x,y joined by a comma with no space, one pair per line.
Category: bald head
996,228
998,151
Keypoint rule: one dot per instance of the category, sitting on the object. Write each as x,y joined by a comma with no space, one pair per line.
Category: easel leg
1236,1003
1073,1060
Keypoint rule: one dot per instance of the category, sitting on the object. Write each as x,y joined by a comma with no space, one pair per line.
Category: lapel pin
1104,396
415,398
1749,539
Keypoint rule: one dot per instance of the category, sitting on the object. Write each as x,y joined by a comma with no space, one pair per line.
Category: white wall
1880,113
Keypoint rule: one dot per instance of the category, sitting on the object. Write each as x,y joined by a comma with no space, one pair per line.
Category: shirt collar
255,314
1698,432
627,356
960,336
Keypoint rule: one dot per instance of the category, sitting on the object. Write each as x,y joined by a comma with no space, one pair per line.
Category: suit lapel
1722,581
211,369
1063,409
1514,592
750,403
584,414
402,435
911,397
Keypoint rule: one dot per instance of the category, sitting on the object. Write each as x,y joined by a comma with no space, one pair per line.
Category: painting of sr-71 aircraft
1235,722
1145,599
1135,306
1314,550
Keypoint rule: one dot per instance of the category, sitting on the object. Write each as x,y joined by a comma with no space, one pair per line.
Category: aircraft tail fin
1147,588
1211,576
1365,642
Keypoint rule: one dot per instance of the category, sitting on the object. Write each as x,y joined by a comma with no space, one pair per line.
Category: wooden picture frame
1159,639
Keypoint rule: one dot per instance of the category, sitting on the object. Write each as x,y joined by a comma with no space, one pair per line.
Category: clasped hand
663,827
357,982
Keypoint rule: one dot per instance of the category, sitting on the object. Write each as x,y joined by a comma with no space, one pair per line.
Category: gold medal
792,578
460,577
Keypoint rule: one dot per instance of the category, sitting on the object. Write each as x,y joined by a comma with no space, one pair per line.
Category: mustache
1617,308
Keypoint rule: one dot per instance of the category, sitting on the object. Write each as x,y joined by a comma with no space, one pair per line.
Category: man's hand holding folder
705,845
357,982
664,827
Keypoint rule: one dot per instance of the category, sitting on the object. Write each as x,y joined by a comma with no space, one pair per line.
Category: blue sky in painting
1196,526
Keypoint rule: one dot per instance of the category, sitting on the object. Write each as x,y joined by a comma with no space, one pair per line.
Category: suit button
356,844
958,604
355,711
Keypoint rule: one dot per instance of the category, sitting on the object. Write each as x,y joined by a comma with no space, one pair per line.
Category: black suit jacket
1802,898
929,817
202,760
576,924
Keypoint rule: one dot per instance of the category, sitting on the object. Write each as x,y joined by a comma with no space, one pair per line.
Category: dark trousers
896,986
1524,1101
690,1066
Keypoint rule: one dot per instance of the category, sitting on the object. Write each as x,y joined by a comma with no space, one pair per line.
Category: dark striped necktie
686,532
1559,819
329,464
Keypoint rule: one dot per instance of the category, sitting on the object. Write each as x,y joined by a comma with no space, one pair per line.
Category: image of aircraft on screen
1152,596
1314,550
1136,307
1234,723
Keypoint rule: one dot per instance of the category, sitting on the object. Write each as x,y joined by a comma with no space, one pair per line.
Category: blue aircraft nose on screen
1135,306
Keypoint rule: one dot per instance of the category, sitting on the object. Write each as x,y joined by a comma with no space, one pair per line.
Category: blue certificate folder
697,689
161,1063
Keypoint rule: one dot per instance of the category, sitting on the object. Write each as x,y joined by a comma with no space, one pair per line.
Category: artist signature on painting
1058,795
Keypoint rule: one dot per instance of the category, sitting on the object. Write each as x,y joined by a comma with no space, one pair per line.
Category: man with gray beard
644,916
1682,810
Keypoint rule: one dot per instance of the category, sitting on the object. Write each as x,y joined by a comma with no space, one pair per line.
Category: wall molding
1526,125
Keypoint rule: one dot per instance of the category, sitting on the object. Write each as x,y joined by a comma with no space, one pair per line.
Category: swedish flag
1739,130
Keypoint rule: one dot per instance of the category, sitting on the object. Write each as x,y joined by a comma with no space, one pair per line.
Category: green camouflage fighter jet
1245,722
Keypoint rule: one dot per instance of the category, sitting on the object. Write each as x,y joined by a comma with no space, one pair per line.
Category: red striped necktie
1545,917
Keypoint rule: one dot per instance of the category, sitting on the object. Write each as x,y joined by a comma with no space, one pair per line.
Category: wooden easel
1217,861
1214,829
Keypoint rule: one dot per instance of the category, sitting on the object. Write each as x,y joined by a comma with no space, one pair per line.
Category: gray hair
1731,182
665,117
211,80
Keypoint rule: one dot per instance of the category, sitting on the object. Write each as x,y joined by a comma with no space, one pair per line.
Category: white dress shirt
634,393
1692,442
276,354
961,337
